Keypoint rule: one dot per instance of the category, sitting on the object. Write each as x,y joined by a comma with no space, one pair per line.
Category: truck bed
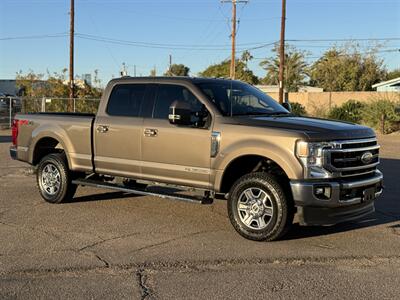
72,132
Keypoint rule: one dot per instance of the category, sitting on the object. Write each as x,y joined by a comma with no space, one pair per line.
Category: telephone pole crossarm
233,34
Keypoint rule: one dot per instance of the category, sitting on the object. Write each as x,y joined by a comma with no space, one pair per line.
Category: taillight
14,131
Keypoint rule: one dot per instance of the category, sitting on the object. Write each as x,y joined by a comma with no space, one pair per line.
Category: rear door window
126,100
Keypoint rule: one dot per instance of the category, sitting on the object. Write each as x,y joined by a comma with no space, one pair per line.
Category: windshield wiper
280,113
258,113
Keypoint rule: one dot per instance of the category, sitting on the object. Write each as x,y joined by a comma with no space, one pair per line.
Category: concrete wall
316,103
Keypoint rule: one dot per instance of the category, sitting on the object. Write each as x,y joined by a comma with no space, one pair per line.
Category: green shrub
382,114
350,111
298,109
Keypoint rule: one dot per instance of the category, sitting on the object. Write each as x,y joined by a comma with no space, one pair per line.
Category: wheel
54,179
258,207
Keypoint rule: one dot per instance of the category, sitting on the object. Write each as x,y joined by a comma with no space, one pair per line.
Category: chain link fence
9,106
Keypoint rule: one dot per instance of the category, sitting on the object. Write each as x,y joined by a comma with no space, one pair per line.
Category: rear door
171,153
118,131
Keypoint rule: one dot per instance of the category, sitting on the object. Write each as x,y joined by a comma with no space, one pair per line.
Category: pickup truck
208,139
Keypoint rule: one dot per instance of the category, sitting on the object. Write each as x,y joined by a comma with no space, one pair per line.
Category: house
8,87
80,83
392,85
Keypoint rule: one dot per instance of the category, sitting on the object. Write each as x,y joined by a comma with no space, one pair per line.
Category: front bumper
347,201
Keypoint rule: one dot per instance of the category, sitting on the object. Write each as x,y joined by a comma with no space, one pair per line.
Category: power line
344,40
33,37
64,34
163,44
344,54
167,46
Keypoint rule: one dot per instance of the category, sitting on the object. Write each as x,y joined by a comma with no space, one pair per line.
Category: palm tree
246,57
295,69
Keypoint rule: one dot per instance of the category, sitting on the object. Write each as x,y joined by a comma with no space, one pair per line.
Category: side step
144,192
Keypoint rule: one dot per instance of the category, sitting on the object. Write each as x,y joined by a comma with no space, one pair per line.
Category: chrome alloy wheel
50,179
255,208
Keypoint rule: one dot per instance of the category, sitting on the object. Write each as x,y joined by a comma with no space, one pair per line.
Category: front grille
352,158
355,144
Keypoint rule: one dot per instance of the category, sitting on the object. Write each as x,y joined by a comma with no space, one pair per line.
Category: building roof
8,87
394,81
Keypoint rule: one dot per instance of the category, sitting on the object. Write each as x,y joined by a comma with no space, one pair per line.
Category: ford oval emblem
366,158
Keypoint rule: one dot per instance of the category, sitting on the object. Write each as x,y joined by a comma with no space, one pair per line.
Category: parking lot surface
109,244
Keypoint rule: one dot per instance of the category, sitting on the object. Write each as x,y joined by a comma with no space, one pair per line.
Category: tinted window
126,100
236,98
169,93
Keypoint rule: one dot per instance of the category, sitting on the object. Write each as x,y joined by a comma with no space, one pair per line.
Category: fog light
323,192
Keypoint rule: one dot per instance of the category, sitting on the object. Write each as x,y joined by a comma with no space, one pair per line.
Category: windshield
236,98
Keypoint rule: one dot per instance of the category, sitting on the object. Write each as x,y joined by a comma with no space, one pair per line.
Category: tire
54,179
258,207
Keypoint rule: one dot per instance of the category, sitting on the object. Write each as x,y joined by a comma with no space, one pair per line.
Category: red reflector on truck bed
14,131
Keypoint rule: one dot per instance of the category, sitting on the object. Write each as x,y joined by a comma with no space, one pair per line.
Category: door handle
102,128
150,132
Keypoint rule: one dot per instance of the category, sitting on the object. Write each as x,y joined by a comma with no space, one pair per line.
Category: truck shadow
102,197
387,208
119,195
5,139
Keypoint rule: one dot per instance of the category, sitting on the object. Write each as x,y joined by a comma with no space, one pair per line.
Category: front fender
280,151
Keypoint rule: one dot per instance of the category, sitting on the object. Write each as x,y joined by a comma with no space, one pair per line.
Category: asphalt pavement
107,244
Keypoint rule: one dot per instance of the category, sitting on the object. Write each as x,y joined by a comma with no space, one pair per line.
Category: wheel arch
45,145
245,164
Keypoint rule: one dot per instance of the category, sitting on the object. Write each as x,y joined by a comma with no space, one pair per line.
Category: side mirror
287,106
180,113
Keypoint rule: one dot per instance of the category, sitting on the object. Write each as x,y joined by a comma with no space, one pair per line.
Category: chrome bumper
347,200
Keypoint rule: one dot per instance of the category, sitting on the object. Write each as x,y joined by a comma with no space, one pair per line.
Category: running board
143,192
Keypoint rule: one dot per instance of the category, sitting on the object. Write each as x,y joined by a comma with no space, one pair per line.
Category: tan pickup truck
215,138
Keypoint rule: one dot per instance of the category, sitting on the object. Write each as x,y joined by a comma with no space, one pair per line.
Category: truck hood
315,129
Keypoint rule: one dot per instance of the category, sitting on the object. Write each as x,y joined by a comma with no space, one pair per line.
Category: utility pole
71,57
170,65
282,53
233,35
134,70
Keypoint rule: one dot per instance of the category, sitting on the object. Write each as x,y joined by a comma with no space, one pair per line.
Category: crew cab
216,138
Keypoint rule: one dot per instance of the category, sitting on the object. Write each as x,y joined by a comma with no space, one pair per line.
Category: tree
295,69
177,70
222,70
393,74
347,69
35,85
246,57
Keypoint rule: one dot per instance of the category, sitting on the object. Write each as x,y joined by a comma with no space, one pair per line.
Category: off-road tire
66,190
283,208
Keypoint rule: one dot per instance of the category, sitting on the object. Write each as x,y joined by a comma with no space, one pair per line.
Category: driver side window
169,93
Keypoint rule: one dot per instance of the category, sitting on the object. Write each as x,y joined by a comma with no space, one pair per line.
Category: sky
143,33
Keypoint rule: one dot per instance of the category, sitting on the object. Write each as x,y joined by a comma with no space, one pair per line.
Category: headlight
311,156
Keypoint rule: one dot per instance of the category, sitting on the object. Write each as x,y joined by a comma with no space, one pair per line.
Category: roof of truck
171,78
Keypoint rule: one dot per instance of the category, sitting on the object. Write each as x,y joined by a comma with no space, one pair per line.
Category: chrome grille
352,158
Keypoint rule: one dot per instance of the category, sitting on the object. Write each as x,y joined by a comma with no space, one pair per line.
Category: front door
176,154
